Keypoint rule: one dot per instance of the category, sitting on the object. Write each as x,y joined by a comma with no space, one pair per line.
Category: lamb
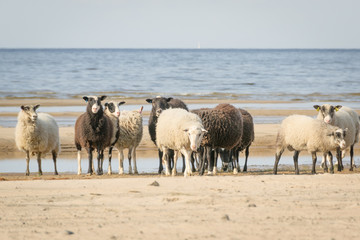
181,131
224,125
131,131
159,104
93,130
37,133
113,112
298,133
343,117
247,138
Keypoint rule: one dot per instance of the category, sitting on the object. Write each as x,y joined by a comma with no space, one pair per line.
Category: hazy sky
180,23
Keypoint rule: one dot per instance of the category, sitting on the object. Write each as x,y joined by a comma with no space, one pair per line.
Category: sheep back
131,129
170,128
299,132
224,125
41,136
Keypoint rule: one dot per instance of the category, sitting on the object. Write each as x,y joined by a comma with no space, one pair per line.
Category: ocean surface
243,74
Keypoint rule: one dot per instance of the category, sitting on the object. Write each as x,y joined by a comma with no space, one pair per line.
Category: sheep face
113,108
195,136
30,111
94,102
339,136
327,112
159,104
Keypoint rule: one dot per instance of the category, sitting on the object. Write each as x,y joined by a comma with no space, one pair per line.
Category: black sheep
159,104
93,130
247,138
224,125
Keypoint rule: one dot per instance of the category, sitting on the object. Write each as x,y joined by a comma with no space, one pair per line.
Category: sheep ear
317,107
204,130
186,130
102,98
22,107
86,98
106,104
121,103
149,100
141,109
337,107
169,99
330,134
36,106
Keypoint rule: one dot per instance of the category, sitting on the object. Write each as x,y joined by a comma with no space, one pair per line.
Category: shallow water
145,165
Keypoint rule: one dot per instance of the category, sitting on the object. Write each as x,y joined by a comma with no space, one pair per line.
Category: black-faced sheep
131,131
181,131
37,133
224,126
159,104
113,112
302,133
93,130
343,117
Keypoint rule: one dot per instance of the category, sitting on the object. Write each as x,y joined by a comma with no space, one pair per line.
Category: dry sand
255,205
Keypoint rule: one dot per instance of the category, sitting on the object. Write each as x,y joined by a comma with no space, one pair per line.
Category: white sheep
343,117
130,135
37,133
298,133
181,131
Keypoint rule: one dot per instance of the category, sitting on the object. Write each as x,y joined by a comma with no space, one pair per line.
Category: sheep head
94,103
195,135
159,104
113,107
338,136
327,112
30,112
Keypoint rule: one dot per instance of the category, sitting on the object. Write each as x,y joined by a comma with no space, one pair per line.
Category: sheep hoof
121,172
109,173
210,173
235,171
136,172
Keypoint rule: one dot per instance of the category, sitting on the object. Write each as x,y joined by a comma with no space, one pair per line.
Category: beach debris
68,232
252,205
155,183
226,217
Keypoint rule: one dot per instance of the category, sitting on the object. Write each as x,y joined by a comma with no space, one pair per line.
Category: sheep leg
134,160
121,161
187,155
202,161
90,155
176,153
27,163
236,161
192,161
210,158
79,161
313,171
129,158
110,156
352,157
324,163
54,155
161,168
99,170
166,161
184,167
277,159
215,161
331,162
39,162
246,158
338,156
296,164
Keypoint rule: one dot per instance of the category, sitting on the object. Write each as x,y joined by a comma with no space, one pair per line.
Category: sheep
37,133
247,138
158,104
131,131
113,112
224,126
343,117
181,131
93,130
298,133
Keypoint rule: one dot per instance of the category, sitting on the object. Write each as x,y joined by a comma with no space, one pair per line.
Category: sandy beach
254,205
